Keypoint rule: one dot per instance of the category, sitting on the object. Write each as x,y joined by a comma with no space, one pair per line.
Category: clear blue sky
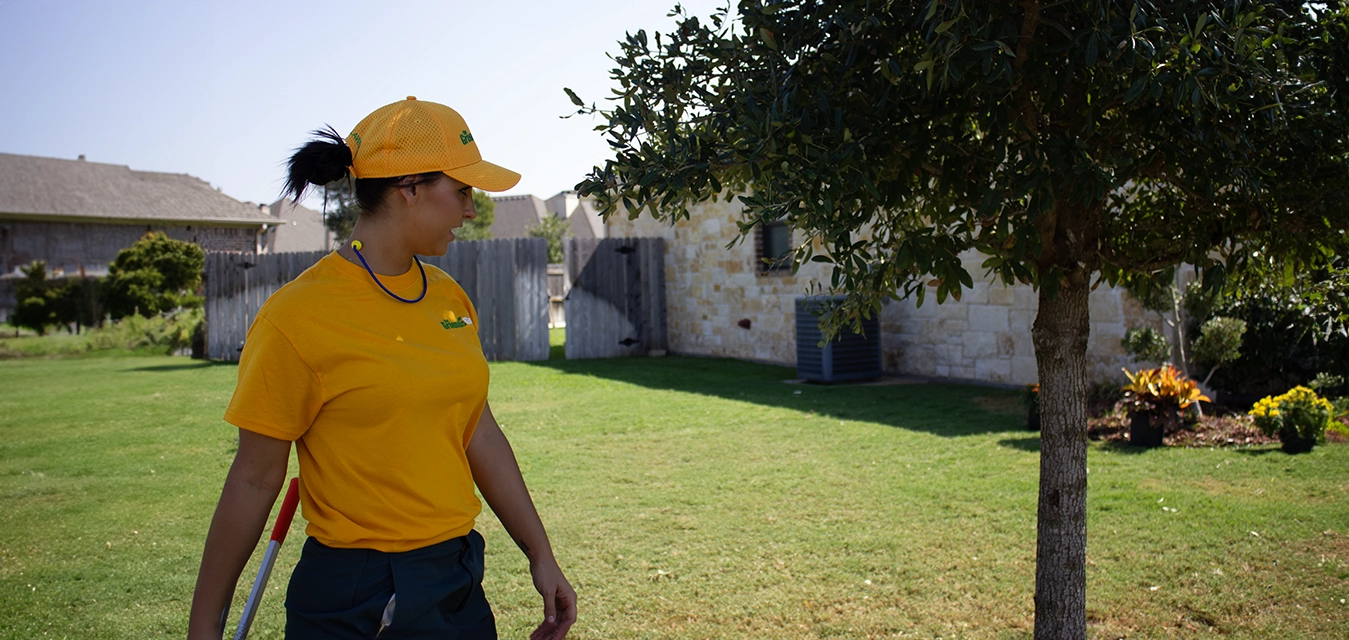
224,90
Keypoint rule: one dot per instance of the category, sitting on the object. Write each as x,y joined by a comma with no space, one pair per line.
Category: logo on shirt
453,322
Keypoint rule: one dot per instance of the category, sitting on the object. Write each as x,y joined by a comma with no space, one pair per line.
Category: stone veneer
986,336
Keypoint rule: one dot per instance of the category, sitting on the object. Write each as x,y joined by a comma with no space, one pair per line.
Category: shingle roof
514,215
49,188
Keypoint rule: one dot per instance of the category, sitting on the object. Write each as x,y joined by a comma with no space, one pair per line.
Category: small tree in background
154,275
553,229
1147,345
35,306
480,227
340,210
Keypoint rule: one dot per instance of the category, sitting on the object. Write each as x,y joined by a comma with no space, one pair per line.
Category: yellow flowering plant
1299,414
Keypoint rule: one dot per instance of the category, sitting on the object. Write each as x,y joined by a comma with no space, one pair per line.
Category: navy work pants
341,594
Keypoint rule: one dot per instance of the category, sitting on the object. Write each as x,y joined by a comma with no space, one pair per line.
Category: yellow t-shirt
380,396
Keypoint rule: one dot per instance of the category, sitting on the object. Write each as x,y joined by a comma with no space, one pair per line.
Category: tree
480,227
35,306
154,275
340,209
1069,142
553,229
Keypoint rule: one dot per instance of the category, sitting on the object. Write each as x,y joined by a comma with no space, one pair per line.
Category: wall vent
850,357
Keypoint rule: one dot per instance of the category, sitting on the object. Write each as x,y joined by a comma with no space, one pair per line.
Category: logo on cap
465,137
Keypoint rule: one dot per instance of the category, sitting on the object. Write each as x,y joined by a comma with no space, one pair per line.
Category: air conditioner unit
850,357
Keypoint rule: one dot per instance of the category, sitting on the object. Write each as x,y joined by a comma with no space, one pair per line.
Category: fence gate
507,281
615,305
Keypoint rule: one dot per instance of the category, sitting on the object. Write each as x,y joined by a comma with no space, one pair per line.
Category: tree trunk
1060,332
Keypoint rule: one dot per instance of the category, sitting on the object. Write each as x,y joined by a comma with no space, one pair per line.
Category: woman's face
441,206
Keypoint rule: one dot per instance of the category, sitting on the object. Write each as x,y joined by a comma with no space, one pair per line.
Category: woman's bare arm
250,490
497,475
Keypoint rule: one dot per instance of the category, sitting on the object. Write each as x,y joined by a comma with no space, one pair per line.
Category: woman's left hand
559,600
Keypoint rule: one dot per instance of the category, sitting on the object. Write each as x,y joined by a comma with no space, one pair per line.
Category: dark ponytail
327,159
321,161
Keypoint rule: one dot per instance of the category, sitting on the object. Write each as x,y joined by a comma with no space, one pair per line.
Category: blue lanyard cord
386,289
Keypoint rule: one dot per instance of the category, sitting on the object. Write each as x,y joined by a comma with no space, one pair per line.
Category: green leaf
945,26
1136,89
768,39
576,100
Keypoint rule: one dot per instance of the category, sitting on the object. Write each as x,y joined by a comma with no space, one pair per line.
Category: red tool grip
287,511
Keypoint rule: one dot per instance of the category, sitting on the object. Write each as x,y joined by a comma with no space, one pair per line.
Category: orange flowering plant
1165,386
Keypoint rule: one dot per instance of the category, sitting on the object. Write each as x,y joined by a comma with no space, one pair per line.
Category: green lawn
694,498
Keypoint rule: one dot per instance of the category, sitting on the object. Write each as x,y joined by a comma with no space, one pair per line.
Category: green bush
1219,341
1147,345
153,276
159,335
1297,326
35,306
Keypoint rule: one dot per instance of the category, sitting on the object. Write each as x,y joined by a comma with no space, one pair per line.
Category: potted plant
1299,418
1156,398
1031,398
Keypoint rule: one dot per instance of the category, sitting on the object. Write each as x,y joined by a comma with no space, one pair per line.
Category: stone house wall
985,337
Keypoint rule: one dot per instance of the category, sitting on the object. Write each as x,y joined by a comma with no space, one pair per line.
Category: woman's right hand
559,600
250,490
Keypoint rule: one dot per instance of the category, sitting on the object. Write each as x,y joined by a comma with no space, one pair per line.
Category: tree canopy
553,229
1069,142
480,227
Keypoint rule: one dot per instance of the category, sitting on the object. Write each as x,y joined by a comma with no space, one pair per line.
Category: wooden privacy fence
615,304
506,279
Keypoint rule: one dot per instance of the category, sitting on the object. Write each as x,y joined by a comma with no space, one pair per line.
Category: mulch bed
1236,430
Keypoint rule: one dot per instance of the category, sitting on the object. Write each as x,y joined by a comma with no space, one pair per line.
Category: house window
774,253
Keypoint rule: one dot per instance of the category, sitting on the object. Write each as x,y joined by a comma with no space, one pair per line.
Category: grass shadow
1117,446
1029,444
944,409
186,366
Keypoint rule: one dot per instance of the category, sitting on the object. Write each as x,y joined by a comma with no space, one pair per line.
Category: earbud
356,244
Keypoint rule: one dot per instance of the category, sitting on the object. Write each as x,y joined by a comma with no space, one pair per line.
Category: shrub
161,334
1299,415
1147,345
1297,326
1161,388
1219,341
155,275
34,304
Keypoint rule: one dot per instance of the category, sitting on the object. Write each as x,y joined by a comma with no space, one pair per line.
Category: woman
370,363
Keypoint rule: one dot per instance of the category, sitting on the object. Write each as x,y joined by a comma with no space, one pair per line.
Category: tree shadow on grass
1026,443
1116,446
948,410
186,366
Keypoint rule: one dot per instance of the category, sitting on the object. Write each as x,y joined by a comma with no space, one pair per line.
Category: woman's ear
409,194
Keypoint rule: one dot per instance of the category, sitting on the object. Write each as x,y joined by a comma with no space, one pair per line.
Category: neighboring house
298,228
986,336
582,218
515,215
76,215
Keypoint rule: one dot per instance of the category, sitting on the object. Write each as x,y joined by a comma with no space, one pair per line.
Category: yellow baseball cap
414,136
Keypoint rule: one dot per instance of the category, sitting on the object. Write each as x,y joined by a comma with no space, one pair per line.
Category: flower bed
1208,431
